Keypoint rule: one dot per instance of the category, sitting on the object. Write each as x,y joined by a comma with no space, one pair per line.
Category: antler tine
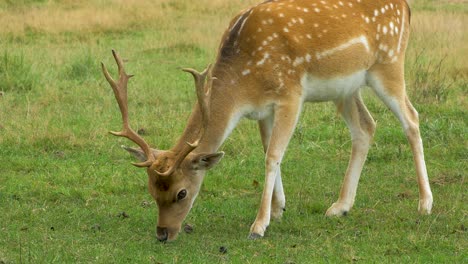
202,95
204,104
120,92
179,158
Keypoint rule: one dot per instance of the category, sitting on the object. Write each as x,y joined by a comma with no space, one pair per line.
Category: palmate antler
120,92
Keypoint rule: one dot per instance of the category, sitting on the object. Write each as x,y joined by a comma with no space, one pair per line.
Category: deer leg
285,119
362,127
278,201
388,83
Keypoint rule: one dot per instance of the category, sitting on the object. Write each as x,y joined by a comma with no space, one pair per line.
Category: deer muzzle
166,234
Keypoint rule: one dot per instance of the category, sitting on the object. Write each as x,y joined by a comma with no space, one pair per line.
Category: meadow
68,193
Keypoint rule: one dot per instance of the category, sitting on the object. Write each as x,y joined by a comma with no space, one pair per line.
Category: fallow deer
274,57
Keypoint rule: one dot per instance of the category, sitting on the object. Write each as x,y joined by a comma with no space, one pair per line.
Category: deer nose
161,234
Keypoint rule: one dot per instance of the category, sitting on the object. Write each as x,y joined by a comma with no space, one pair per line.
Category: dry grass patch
436,57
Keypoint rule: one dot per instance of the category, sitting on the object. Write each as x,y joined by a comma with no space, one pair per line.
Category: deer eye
181,195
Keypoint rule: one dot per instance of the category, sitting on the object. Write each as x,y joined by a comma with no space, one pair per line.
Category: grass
64,182
16,73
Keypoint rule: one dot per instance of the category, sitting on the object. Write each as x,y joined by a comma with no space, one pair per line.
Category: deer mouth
165,234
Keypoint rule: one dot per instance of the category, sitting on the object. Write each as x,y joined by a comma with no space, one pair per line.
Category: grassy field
69,195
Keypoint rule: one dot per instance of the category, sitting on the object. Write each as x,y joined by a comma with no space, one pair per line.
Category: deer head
174,176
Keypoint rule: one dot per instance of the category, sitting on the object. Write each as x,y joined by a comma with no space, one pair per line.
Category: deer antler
202,95
204,104
120,92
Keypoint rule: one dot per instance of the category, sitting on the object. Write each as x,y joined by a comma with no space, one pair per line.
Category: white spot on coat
265,57
298,61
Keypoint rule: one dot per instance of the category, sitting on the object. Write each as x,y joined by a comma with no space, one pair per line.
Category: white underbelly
317,89
258,113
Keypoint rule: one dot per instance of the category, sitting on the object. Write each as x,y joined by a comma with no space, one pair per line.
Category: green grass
16,73
64,181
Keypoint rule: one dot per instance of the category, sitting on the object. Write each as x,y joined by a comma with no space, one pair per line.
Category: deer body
274,57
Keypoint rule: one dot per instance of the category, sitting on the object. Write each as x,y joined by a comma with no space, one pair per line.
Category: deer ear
140,154
206,161
136,152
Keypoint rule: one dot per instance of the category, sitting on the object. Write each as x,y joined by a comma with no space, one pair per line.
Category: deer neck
223,117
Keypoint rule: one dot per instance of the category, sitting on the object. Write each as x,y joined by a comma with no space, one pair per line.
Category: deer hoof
425,206
254,236
338,209
257,230
277,213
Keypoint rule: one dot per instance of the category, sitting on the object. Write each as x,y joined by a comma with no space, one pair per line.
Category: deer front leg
285,119
362,127
278,202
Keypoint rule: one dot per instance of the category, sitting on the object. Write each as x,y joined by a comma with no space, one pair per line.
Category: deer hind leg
362,127
285,119
278,201
389,85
